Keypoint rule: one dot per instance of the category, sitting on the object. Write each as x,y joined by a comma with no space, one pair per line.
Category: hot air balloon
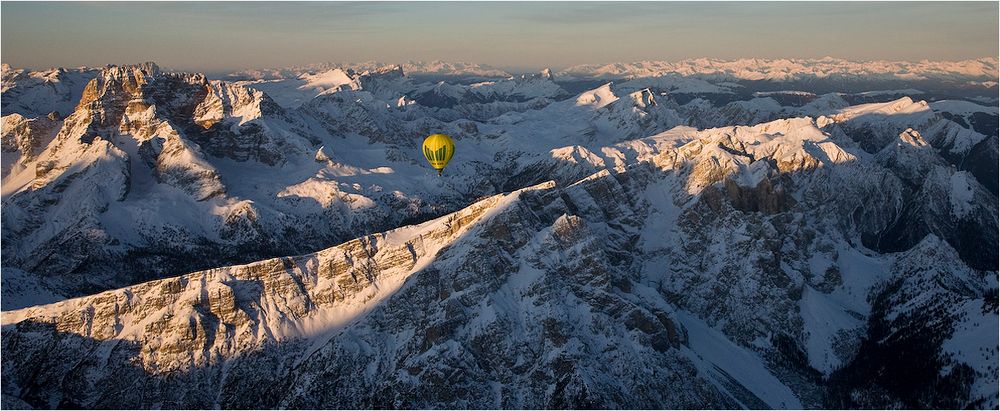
438,148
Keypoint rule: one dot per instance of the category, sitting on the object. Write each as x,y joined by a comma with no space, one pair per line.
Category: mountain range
701,234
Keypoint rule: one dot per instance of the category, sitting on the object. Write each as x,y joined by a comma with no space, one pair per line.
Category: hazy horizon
223,37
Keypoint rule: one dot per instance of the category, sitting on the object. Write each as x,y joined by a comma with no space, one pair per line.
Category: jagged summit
149,68
913,138
643,98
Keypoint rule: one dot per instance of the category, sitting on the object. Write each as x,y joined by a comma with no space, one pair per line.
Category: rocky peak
130,78
911,157
26,137
642,98
127,90
912,137
379,80
544,75
386,73
749,155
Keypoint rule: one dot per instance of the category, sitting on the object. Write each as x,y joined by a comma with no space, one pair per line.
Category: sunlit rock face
819,255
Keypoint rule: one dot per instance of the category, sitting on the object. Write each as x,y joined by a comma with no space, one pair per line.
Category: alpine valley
696,234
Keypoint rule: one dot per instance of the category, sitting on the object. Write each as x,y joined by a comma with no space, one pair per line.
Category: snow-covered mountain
770,252
38,93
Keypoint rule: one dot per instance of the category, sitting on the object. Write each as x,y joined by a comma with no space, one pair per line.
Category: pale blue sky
225,36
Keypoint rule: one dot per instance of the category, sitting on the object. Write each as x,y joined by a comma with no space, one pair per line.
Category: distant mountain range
982,69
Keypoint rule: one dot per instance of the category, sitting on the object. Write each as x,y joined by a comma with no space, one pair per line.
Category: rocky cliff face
23,139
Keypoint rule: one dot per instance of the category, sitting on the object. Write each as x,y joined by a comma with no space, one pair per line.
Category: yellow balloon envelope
438,148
